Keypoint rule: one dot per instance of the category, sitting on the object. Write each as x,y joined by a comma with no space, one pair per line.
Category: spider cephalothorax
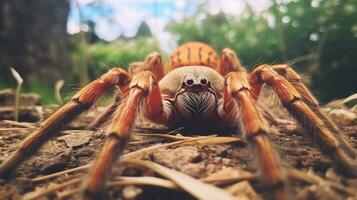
197,89
194,98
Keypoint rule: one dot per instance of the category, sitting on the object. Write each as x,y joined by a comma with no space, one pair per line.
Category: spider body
194,94
196,90
192,89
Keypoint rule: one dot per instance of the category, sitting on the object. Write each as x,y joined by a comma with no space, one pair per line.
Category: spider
196,90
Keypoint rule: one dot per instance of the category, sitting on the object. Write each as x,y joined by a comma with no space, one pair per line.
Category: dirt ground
75,146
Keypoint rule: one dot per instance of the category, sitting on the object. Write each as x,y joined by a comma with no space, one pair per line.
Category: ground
75,146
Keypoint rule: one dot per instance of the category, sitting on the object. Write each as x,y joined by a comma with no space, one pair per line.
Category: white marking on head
174,79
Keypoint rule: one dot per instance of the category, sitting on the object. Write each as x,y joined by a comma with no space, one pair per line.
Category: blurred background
77,40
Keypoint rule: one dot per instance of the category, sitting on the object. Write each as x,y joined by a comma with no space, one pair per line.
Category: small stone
228,172
291,129
226,161
177,158
131,192
85,152
84,160
193,169
76,140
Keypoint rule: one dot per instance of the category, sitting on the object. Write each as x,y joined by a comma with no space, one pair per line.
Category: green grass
47,94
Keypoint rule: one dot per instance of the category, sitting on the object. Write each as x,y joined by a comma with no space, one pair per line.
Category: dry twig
19,81
58,86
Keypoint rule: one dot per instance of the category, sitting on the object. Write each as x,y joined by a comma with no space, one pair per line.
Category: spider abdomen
193,54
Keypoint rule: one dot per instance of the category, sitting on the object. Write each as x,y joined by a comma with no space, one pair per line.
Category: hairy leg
153,63
229,62
143,90
119,133
118,137
293,77
81,101
256,130
304,108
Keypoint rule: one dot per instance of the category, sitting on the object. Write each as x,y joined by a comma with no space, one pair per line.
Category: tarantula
196,89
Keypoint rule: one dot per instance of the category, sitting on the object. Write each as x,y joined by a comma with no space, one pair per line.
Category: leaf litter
308,170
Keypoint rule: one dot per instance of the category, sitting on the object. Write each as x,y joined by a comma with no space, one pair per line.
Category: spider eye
203,81
189,82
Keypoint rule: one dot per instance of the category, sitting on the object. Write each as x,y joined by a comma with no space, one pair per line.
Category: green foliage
337,77
249,36
46,93
95,59
121,53
320,37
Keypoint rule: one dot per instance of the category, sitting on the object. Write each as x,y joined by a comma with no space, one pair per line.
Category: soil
75,146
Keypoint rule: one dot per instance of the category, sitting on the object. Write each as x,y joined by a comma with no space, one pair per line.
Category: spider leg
155,109
293,77
255,129
304,108
229,62
81,101
141,88
153,63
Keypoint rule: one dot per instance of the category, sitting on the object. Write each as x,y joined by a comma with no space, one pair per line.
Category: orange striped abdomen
193,53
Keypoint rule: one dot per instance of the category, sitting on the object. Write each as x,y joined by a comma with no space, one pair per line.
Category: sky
114,18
